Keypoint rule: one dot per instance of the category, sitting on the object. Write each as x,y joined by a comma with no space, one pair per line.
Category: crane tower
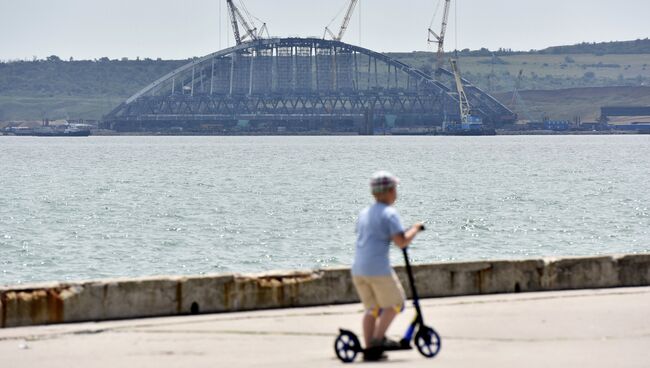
344,25
465,109
236,18
439,38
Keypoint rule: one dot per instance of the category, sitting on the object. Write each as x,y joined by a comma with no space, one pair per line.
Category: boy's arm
403,240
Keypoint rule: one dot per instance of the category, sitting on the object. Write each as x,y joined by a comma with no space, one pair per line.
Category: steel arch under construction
301,84
304,85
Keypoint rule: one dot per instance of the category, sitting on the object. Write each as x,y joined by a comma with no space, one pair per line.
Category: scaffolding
240,73
284,69
221,79
344,70
303,69
325,69
263,71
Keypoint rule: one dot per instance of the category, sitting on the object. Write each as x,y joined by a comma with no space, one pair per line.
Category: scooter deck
381,349
403,346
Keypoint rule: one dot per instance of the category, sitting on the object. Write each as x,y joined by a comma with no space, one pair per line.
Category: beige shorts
380,291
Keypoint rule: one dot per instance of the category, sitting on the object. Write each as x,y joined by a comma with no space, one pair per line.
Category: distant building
614,111
25,123
626,118
590,125
557,125
535,125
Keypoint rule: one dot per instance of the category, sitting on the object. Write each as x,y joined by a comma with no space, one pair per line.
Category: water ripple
132,206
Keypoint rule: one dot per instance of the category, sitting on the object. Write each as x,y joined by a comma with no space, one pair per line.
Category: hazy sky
87,29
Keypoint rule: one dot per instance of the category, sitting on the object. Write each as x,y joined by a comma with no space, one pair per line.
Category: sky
180,29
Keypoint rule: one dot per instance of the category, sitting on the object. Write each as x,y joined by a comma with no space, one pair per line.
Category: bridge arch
298,79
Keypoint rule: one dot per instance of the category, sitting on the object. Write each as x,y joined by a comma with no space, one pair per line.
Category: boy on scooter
378,287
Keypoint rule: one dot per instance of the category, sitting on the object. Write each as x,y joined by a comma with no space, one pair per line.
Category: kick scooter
427,340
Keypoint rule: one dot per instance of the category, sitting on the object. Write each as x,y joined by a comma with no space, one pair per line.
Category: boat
67,132
48,131
411,131
469,133
471,126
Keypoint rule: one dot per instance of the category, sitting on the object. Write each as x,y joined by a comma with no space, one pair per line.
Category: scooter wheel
347,346
428,342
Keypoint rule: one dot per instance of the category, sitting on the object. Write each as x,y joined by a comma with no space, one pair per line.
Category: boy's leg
383,322
390,296
366,295
369,323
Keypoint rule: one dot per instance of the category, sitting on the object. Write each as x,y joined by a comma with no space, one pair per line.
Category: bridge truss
305,83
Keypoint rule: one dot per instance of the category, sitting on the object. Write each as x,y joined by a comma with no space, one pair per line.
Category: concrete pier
581,328
103,300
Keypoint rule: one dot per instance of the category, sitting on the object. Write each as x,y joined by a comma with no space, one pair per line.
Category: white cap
383,181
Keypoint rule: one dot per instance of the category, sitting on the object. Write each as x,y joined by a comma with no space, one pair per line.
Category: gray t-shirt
376,227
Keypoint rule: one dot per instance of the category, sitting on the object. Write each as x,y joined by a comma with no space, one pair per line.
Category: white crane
465,109
344,25
439,38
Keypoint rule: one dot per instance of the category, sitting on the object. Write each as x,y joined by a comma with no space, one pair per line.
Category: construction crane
236,17
344,25
465,110
518,103
515,92
439,38
492,75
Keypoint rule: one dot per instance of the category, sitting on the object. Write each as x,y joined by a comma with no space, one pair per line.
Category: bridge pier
367,123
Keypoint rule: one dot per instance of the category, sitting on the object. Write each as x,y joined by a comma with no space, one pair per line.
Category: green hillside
54,88
602,48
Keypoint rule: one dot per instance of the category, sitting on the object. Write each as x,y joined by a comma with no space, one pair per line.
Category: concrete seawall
167,296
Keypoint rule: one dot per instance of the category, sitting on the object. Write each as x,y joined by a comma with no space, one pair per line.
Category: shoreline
316,134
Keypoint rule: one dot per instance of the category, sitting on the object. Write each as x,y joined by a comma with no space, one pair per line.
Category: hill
54,88
640,46
566,104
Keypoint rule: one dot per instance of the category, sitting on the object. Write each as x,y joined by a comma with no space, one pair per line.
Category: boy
377,285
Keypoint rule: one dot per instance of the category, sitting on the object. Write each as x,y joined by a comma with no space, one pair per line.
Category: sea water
80,208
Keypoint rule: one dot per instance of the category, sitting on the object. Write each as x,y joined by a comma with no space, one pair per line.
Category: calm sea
79,208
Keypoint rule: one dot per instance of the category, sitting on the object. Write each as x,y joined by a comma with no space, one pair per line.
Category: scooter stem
414,292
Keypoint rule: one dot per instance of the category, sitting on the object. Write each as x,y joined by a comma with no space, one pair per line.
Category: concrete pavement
589,328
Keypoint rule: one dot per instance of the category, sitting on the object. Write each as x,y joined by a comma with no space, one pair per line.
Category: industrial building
626,118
